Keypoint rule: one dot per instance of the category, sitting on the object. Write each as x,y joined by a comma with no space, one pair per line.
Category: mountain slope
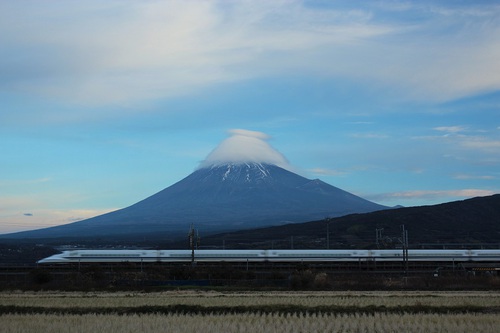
221,197
466,223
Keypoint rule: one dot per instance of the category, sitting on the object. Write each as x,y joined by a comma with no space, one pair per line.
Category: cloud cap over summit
244,146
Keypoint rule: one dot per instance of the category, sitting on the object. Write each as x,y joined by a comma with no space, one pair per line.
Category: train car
485,255
98,256
228,255
316,255
438,255
120,256
176,256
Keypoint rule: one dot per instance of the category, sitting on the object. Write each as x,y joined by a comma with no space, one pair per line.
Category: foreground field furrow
209,311
266,309
39,323
86,300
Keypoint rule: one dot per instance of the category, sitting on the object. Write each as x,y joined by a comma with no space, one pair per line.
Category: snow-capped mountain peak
247,172
245,147
243,183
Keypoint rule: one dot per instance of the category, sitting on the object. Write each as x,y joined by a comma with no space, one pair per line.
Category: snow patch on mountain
248,172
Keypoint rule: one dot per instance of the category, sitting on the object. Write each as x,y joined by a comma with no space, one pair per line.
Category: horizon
105,104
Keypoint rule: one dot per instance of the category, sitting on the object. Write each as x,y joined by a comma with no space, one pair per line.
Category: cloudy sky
103,103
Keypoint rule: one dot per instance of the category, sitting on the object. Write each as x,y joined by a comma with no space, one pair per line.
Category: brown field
205,311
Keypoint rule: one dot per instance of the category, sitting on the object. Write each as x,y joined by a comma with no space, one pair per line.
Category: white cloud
450,129
458,141
28,212
481,143
468,177
327,172
158,49
96,52
245,146
15,221
247,133
433,194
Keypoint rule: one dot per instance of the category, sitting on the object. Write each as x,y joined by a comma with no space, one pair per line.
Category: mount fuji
219,198
222,195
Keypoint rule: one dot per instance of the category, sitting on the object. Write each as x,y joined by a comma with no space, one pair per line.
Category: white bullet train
179,256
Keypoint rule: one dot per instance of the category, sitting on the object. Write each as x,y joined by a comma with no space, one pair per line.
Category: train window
109,255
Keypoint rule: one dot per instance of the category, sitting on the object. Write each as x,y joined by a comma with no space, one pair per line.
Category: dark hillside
470,223
464,223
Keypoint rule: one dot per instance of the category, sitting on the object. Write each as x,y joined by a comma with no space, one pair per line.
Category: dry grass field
192,311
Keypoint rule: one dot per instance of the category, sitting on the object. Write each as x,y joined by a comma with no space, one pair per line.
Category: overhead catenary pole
328,221
378,237
192,242
404,242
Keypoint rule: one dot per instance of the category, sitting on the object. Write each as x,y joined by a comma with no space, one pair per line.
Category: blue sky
103,103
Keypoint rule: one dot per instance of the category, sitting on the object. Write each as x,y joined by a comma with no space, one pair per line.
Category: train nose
44,261
57,258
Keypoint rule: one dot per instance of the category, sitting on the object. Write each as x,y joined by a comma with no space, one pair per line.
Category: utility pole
378,237
194,241
328,220
404,242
